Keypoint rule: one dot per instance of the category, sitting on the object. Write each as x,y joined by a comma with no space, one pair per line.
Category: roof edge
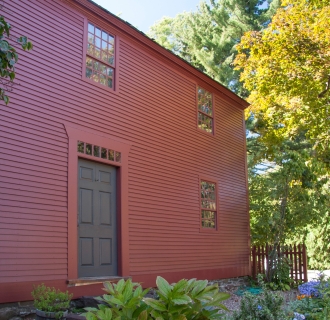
132,31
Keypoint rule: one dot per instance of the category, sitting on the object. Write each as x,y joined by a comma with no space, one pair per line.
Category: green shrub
324,289
309,307
123,301
51,300
264,307
281,279
187,299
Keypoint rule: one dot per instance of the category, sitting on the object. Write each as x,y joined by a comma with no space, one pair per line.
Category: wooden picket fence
295,254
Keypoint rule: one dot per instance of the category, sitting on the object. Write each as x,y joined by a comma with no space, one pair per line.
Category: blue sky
144,13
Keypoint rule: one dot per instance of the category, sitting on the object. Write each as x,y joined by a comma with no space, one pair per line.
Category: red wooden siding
154,109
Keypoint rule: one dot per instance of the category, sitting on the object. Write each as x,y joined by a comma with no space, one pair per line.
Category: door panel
97,234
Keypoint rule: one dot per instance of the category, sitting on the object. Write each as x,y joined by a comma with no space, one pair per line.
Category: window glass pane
118,157
111,155
104,36
81,147
104,153
96,65
208,224
104,45
91,38
110,72
205,123
206,204
205,101
104,56
89,62
95,76
103,69
103,79
90,49
109,83
96,152
89,73
208,214
111,59
111,39
97,53
90,28
97,42
98,32
88,149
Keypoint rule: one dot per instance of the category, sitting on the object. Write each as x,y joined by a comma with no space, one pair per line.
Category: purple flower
310,288
259,307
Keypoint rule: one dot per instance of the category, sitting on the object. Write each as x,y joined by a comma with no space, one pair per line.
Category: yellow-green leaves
286,69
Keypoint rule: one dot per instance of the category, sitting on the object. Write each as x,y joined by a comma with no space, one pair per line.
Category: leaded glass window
100,59
205,110
208,204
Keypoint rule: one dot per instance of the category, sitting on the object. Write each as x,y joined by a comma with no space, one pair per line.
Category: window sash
208,204
100,67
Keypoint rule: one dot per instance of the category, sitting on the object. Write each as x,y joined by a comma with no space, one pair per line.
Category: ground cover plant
313,301
50,300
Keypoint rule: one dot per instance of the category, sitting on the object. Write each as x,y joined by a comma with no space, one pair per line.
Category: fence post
304,254
254,263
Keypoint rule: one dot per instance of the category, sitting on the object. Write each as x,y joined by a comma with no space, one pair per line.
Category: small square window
205,110
208,205
88,149
111,155
118,157
81,147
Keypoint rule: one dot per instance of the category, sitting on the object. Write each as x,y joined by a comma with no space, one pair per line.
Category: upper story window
100,59
208,205
205,110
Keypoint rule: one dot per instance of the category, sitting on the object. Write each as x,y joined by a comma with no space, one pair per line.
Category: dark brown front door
97,234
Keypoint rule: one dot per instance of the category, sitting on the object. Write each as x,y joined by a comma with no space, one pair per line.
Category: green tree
288,198
286,69
207,38
8,58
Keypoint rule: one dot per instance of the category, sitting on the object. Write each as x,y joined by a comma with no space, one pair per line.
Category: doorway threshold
93,280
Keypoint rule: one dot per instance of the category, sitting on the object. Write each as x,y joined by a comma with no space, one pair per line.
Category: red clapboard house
118,159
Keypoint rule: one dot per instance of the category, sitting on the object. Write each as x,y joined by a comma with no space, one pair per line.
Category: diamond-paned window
205,110
98,151
100,59
208,204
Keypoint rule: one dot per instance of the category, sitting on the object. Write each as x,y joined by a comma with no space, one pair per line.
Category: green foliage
187,299
207,38
315,306
288,197
318,244
286,69
124,299
307,306
264,307
51,300
280,278
324,289
8,58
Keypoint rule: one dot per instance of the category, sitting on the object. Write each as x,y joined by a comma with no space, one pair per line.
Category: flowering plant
303,296
310,288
